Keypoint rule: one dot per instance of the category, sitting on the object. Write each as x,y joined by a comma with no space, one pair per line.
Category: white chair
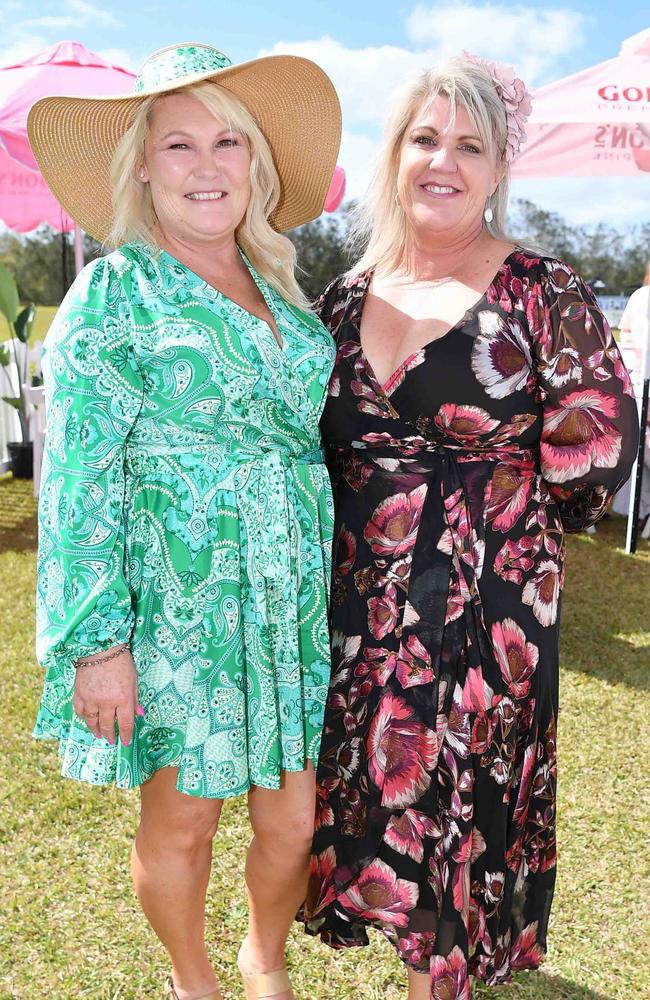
35,398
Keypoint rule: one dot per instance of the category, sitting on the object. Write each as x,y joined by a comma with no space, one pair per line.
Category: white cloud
79,14
357,155
618,201
364,78
533,40
55,22
22,48
95,14
120,58
25,38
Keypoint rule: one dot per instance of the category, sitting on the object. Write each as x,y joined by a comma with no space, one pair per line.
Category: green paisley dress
185,509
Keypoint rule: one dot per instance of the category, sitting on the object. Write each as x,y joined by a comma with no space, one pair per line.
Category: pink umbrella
595,122
336,191
26,201
69,69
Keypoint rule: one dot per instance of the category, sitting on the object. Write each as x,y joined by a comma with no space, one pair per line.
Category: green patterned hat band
177,62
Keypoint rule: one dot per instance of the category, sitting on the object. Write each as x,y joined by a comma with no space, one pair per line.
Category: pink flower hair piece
516,100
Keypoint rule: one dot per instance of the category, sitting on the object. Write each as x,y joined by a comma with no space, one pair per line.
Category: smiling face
198,171
445,173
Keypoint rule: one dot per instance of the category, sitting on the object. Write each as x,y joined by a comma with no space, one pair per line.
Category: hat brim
292,100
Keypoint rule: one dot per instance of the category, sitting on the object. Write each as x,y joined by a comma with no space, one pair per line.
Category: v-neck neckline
281,343
386,388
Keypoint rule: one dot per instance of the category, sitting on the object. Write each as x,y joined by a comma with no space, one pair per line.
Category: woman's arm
590,433
94,392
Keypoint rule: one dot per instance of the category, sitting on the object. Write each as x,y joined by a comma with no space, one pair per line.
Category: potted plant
20,323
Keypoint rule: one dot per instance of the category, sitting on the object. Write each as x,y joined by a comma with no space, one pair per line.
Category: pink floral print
400,753
379,895
580,434
394,525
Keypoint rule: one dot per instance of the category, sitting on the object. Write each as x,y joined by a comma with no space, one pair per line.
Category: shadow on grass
18,528
539,986
605,620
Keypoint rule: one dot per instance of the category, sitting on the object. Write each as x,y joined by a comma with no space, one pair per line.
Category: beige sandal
173,995
265,984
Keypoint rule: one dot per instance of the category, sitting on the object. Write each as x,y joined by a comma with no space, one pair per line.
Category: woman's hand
104,692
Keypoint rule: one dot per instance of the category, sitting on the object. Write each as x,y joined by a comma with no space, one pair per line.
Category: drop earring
488,214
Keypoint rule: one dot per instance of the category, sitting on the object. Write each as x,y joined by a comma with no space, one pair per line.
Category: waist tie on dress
443,609
264,482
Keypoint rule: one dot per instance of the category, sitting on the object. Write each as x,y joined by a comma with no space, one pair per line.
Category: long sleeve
590,430
93,395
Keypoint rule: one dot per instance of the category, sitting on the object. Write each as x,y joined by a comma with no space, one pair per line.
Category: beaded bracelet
82,662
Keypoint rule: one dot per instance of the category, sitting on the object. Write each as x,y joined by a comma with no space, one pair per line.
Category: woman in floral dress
477,411
185,513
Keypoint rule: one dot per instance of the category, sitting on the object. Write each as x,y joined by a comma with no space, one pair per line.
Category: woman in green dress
185,511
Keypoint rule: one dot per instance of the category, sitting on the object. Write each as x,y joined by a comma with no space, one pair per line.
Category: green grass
72,929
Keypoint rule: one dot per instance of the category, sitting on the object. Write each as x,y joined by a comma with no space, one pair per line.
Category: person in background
634,334
185,508
634,330
478,410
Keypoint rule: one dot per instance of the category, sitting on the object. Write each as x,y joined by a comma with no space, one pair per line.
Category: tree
320,248
43,263
598,253
546,230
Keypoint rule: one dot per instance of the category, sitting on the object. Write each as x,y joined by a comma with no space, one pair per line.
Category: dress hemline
363,941
271,785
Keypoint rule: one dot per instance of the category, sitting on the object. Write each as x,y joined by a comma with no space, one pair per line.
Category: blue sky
367,47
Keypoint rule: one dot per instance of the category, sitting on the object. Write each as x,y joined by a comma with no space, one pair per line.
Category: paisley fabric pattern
185,508
454,484
177,62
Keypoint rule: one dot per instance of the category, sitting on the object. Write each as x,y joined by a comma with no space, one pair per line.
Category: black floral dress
454,484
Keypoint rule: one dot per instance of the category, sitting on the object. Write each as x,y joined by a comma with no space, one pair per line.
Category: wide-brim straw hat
291,99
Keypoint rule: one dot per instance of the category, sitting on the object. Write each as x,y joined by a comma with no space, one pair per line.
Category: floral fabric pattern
185,508
454,484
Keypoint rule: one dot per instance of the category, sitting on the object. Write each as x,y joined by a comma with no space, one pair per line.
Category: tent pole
78,249
636,479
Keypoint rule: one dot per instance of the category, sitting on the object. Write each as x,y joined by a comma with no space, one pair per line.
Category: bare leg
419,986
170,864
277,868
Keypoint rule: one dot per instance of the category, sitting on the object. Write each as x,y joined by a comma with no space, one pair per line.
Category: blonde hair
272,255
379,227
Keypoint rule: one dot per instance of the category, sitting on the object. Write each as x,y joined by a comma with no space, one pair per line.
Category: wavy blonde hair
271,254
379,227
